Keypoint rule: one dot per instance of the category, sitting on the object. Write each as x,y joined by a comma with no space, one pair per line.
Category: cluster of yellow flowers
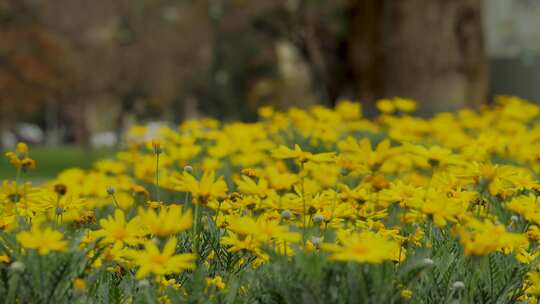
320,180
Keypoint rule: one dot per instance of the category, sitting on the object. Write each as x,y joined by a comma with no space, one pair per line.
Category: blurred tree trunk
366,48
431,50
76,115
52,122
436,53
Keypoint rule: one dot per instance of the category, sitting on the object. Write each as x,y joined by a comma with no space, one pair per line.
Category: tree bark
366,48
435,53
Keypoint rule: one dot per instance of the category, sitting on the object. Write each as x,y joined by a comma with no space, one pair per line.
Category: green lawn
52,160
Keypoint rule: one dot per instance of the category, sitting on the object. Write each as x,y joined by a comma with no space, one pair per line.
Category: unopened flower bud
79,285
156,144
188,169
513,222
428,262
318,218
110,190
433,162
17,266
316,241
143,283
286,214
21,147
458,285
60,189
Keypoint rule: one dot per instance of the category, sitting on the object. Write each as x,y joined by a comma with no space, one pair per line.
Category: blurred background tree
368,49
80,68
32,72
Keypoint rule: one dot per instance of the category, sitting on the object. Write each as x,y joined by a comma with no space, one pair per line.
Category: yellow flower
154,204
526,206
479,238
117,230
362,153
378,188
533,232
157,146
18,162
265,112
262,229
44,241
203,191
123,200
170,220
433,156
156,143
406,294
110,166
216,281
405,105
140,190
79,284
441,209
165,283
151,260
349,110
241,242
21,148
249,186
363,247
534,284
386,106
526,257
20,158
283,152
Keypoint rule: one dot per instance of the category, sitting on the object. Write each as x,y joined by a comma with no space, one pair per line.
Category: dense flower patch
304,206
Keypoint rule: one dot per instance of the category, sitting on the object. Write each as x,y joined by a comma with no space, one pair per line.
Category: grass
52,160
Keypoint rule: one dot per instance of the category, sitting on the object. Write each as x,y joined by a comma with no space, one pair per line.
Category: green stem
303,205
430,232
40,265
195,232
115,201
156,185
396,265
13,286
217,213
186,198
57,211
17,177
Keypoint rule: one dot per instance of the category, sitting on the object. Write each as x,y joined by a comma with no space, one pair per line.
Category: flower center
158,259
120,234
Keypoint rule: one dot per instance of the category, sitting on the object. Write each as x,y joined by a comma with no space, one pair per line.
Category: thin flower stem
186,198
195,232
19,196
156,185
217,213
115,201
18,176
56,212
303,204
